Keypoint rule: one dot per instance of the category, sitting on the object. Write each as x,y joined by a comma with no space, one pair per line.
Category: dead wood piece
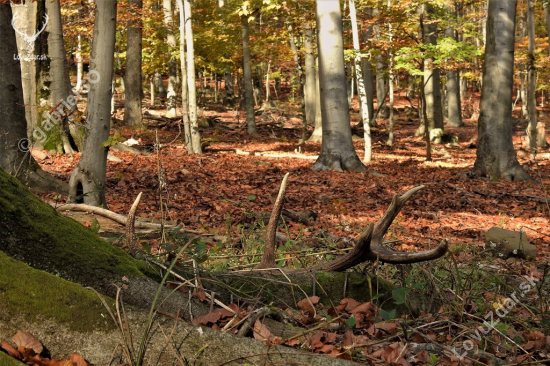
131,240
121,219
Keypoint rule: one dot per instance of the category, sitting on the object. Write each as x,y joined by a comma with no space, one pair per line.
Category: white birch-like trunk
184,89
171,42
360,83
191,84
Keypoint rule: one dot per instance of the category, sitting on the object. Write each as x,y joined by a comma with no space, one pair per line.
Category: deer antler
369,245
384,254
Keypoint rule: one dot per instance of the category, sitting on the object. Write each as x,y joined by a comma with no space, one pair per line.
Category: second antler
368,246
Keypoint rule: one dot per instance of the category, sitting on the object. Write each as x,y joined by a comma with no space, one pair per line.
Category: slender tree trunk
184,91
247,78
363,102
432,90
25,21
296,52
454,105
337,150
133,82
367,71
171,42
380,77
536,134
496,157
317,134
87,182
56,77
79,63
310,92
191,84
389,142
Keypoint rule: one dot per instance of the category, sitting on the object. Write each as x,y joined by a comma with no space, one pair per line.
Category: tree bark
454,105
87,183
184,91
247,78
171,42
495,155
432,90
191,85
380,77
317,134
310,90
367,70
363,102
337,150
133,82
15,156
534,128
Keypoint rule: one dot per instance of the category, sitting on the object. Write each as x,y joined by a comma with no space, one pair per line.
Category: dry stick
319,326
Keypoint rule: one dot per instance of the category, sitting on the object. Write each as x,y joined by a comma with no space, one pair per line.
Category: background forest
168,127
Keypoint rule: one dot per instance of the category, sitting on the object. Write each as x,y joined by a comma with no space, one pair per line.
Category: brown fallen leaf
10,350
211,317
27,340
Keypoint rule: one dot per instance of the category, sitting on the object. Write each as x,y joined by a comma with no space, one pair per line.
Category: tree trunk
184,91
87,183
367,71
133,82
191,85
534,128
79,64
317,134
310,90
432,90
454,105
296,53
171,42
247,78
15,156
25,20
389,142
337,150
495,156
363,102
380,76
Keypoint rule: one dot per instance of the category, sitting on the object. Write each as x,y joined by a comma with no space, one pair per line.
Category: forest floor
222,191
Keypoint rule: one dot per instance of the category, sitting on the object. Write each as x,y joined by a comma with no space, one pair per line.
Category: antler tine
268,258
380,252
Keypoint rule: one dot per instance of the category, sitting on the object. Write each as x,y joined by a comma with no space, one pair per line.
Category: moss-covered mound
37,296
37,234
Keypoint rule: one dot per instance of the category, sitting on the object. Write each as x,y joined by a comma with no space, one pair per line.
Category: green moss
6,360
37,295
37,234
